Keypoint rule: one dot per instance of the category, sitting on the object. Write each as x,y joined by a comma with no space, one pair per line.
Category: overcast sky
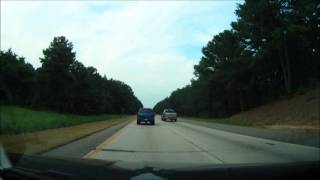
151,46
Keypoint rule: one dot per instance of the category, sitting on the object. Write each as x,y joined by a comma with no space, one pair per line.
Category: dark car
146,115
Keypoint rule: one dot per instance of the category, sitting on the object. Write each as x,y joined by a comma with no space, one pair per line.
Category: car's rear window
170,111
146,111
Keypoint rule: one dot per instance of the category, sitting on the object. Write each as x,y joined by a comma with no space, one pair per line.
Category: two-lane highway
179,142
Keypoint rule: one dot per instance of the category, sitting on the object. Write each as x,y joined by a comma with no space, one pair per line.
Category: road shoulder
309,139
80,147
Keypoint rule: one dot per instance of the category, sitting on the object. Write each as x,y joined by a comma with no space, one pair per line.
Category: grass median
28,131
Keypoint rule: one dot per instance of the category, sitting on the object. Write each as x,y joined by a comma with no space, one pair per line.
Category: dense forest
62,84
270,52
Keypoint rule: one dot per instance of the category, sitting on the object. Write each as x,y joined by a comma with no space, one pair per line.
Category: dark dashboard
37,167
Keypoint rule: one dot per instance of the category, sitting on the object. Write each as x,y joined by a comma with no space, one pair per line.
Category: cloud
152,46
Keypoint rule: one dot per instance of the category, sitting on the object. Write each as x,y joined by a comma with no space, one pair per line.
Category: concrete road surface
184,143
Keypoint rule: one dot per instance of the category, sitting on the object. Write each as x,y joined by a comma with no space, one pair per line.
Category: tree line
270,52
62,84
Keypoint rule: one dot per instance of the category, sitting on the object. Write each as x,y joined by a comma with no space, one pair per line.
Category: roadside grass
299,113
15,120
41,141
220,120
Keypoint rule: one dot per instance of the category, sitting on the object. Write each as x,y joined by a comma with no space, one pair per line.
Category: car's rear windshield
170,111
146,111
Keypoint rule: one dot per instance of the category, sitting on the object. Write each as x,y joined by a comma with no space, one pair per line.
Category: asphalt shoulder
308,139
80,147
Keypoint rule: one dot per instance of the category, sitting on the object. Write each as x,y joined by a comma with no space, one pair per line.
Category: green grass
14,120
221,121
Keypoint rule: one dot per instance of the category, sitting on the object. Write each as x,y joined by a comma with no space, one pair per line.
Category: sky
151,46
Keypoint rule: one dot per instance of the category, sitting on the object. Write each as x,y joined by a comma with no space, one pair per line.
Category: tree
271,50
62,84
17,79
54,76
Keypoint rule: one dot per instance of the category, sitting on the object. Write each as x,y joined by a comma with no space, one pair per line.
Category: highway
185,143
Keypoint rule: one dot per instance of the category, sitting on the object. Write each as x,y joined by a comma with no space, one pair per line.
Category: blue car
146,115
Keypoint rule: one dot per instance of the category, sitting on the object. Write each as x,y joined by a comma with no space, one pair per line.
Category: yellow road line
105,143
